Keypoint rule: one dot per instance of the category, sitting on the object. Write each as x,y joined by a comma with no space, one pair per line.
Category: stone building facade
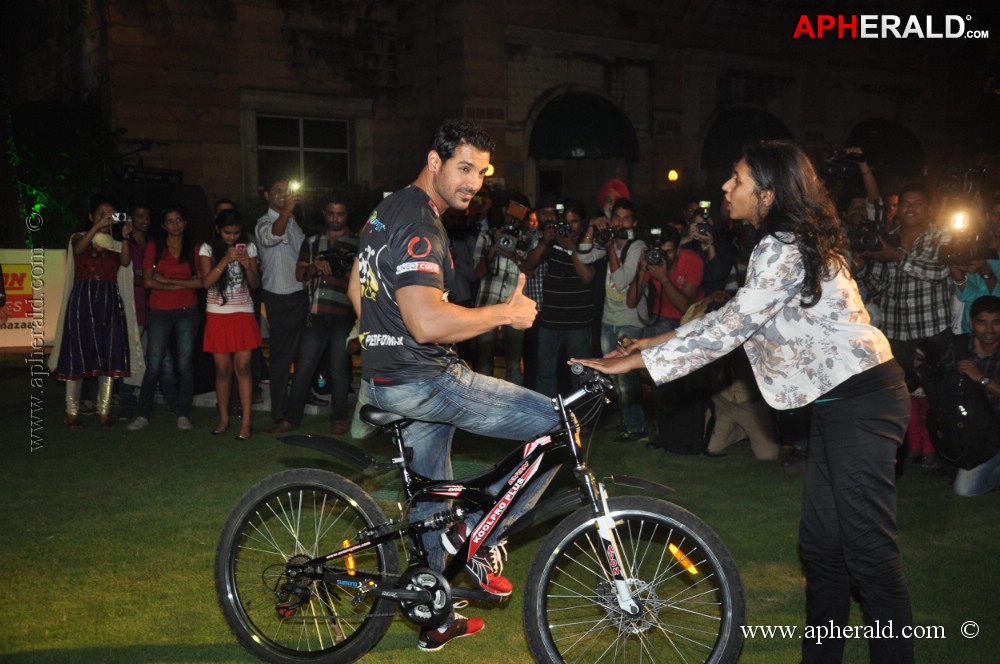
658,86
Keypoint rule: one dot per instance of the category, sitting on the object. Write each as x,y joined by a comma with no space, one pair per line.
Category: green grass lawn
109,540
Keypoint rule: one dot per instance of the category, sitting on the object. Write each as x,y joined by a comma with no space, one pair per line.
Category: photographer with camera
616,238
708,237
501,252
567,307
977,357
972,257
94,322
911,285
671,279
324,265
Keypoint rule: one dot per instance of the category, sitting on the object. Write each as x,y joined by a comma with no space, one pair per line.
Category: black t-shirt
402,244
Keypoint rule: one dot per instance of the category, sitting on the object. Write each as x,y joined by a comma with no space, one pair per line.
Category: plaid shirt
533,286
914,294
501,273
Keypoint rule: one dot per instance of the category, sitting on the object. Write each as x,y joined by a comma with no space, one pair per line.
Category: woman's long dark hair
219,246
801,207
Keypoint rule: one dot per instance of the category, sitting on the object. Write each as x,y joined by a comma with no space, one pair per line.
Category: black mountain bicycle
308,567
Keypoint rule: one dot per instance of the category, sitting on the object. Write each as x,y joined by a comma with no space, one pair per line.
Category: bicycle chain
384,575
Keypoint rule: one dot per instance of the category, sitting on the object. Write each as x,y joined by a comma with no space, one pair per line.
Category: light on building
489,170
673,175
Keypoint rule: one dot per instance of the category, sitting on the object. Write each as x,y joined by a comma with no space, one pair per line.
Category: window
312,150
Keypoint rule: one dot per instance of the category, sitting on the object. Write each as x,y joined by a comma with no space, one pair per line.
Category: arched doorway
727,135
580,140
894,152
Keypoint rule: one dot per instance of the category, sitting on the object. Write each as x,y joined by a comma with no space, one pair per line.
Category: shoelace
495,551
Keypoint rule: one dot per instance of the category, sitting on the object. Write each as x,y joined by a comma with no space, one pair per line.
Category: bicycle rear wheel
687,585
292,517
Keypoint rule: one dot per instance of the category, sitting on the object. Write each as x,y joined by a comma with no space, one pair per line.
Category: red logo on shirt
411,248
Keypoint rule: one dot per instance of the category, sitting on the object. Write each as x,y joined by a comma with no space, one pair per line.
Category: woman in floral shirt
809,340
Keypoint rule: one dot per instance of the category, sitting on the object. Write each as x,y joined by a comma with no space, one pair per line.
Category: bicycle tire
302,512
571,612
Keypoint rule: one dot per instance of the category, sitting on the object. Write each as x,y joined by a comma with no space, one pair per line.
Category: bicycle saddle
380,418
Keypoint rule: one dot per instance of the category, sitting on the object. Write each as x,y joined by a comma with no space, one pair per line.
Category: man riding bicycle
399,288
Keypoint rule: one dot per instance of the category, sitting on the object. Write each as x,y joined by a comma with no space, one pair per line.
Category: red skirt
231,333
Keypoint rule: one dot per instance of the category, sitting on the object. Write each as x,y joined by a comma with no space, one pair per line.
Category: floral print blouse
797,354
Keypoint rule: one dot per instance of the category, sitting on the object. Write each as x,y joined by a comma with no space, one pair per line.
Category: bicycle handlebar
594,383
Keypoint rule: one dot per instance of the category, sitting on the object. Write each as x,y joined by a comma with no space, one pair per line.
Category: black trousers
848,529
286,317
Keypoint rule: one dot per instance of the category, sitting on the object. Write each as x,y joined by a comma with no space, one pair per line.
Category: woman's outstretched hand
613,365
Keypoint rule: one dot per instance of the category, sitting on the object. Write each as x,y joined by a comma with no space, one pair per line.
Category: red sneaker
435,639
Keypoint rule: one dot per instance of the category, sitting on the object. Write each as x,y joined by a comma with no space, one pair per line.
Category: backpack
961,423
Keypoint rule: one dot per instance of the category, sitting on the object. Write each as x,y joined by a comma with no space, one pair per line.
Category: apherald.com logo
885,26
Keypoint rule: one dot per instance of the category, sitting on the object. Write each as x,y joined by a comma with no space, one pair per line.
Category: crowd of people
809,305
141,300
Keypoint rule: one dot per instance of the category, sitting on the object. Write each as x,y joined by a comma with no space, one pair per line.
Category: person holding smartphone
230,269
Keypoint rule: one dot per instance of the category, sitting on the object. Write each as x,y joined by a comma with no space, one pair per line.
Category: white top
279,254
237,290
797,354
616,284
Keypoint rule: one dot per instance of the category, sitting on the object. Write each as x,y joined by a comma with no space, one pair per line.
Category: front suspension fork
605,530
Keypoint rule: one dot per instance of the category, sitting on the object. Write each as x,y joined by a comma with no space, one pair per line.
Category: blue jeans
321,332
461,398
513,348
848,530
551,342
979,480
183,324
129,394
629,387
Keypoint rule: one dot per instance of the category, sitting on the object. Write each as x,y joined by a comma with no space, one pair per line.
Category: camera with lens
868,235
510,236
340,256
865,237
966,244
704,227
841,165
118,219
605,235
561,227
655,257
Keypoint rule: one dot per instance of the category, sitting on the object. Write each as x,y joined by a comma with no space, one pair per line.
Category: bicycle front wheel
686,584
289,518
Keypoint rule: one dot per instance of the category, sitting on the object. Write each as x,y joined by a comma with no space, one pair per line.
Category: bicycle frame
518,469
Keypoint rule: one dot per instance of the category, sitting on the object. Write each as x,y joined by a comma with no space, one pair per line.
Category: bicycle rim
294,523
688,588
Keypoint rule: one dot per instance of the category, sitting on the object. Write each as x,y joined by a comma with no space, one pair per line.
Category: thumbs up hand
521,309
